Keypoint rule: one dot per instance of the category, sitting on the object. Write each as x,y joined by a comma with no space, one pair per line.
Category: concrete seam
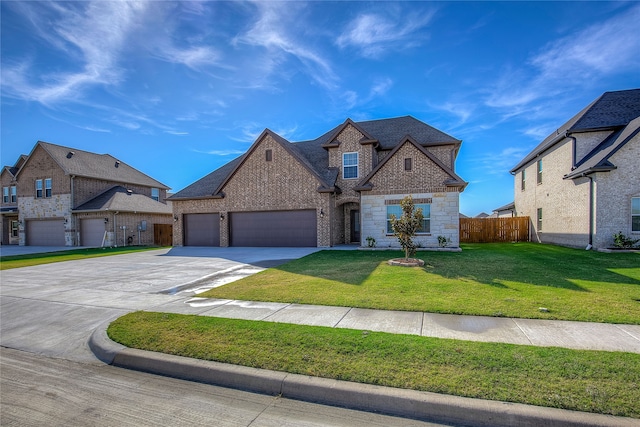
628,333
342,318
274,313
522,330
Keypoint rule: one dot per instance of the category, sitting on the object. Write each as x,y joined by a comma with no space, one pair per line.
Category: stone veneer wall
445,216
56,206
258,185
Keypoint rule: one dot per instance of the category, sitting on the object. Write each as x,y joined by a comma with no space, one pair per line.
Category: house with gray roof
71,197
340,188
581,184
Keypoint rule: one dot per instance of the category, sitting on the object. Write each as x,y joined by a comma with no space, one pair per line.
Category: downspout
591,209
72,219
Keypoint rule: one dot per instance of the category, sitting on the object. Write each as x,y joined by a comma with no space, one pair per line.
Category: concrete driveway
52,309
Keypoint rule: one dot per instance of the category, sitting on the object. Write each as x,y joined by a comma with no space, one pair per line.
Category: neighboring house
70,197
582,183
9,204
337,189
506,211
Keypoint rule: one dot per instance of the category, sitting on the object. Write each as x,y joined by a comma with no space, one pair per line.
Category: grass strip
502,280
28,260
591,381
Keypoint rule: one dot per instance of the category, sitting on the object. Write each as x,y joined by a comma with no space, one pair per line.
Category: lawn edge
419,405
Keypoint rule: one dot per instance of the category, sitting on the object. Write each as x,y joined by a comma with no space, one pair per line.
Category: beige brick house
339,188
70,197
582,183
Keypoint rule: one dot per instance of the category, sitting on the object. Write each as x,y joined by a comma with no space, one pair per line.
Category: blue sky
176,89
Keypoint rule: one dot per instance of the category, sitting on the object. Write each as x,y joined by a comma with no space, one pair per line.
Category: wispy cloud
591,54
496,163
92,34
374,34
229,152
270,32
177,133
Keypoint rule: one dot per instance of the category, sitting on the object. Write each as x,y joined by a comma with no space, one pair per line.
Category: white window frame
14,194
397,211
350,165
523,180
5,194
47,187
14,228
39,189
539,219
539,169
155,194
635,214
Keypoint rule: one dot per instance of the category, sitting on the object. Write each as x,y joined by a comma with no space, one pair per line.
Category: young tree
405,227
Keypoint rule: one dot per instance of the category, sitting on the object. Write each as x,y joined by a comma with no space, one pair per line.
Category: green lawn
28,260
510,280
591,381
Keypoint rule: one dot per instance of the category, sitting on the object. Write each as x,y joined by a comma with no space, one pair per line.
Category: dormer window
350,165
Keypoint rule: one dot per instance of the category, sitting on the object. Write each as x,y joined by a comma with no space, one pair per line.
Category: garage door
91,232
201,229
276,228
45,232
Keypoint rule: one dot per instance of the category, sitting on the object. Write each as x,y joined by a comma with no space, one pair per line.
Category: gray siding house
582,183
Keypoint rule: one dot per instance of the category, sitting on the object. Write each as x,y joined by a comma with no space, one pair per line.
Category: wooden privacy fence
489,230
163,234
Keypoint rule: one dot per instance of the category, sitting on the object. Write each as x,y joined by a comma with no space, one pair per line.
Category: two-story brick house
70,197
9,203
582,183
339,188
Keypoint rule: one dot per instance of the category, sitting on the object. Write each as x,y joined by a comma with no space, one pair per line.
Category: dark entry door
355,226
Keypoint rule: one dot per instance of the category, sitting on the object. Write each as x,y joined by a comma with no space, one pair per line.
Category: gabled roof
598,159
313,154
508,207
295,153
119,199
610,111
453,181
91,165
387,132
13,170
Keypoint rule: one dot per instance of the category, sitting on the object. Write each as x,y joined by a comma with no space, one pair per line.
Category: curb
418,405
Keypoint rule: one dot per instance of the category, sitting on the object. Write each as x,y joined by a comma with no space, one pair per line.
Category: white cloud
374,34
91,34
175,132
229,152
270,32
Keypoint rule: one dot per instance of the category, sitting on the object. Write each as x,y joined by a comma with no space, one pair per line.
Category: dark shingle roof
119,199
207,185
609,111
312,154
100,166
598,159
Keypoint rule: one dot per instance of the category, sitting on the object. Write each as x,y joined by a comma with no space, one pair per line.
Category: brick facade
69,192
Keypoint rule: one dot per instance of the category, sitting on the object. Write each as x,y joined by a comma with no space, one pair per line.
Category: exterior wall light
321,213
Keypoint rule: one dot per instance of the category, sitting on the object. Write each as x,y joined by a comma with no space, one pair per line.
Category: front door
355,226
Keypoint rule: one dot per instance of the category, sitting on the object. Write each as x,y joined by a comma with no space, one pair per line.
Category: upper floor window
635,214
396,210
268,155
540,171
350,165
523,180
38,188
5,194
14,194
155,194
47,187
539,219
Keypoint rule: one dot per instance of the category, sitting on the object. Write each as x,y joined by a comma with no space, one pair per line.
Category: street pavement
54,309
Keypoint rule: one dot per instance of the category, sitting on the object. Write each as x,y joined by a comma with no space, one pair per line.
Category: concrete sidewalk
425,406
544,333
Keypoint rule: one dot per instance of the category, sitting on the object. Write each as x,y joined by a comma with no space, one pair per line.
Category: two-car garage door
267,229
45,232
274,228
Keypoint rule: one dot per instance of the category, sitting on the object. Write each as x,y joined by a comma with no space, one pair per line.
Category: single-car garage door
201,229
274,228
91,232
45,232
